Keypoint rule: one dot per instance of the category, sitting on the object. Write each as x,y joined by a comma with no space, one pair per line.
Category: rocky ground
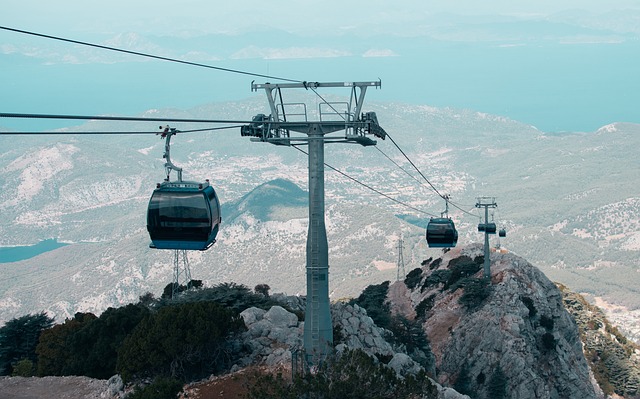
52,387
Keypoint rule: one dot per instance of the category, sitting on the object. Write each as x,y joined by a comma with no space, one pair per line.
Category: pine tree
497,386
19,338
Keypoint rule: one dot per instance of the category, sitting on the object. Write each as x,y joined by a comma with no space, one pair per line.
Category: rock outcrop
614,359
272,336
513,336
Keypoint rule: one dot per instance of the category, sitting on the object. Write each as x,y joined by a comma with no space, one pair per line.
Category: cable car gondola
441,233
183,215
502,233
489,228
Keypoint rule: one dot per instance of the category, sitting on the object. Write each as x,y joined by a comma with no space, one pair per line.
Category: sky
210,17
558,65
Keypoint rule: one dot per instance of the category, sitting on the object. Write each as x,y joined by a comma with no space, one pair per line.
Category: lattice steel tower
277,128
401,270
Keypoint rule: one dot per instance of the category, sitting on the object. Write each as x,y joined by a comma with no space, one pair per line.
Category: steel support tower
181,271
401,270
486,203
338,122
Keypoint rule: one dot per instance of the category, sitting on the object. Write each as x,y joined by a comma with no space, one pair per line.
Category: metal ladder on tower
315,303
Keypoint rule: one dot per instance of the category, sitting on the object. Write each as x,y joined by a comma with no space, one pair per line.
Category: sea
554,87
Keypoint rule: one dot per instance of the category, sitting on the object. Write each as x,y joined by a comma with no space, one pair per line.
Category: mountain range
569,202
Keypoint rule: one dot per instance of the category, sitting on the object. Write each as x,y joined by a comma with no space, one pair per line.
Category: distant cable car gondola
489,228
441,233
183,215
502,233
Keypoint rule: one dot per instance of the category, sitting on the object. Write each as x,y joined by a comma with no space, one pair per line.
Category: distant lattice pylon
400,265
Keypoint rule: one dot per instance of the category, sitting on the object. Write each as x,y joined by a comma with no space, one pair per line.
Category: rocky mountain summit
515,332
519,337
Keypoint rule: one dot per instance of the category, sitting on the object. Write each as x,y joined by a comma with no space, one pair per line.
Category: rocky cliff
613,358
513,338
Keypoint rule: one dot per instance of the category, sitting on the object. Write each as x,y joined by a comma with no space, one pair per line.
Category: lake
14,254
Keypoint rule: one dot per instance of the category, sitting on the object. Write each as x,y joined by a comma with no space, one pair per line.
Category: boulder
278,316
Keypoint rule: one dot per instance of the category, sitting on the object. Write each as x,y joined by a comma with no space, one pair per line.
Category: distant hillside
269,201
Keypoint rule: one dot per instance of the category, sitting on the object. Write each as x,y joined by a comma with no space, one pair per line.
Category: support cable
400,167
31,33
117,118
69,133
427,180
157,57
367,186
415,167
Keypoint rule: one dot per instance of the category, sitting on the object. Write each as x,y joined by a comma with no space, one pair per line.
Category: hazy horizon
568,65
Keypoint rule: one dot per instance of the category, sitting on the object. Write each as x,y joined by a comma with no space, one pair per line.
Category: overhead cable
71,133
367,186
427,180
118,118
146,54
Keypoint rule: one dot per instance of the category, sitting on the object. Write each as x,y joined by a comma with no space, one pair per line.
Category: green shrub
160,388
187,340
23,368
435,264
19,338
476,290
353,375
55,351
373,300
528,302
546,322
413,278
425,305
463,381
548,341
497,385
233,296
410,334
425,262
87,345
460,268
437,277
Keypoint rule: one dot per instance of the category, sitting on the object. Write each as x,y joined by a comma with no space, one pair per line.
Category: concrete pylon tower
487,228
277,128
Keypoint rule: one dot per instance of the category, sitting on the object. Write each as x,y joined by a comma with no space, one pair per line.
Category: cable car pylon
487,228
277,128
401,272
